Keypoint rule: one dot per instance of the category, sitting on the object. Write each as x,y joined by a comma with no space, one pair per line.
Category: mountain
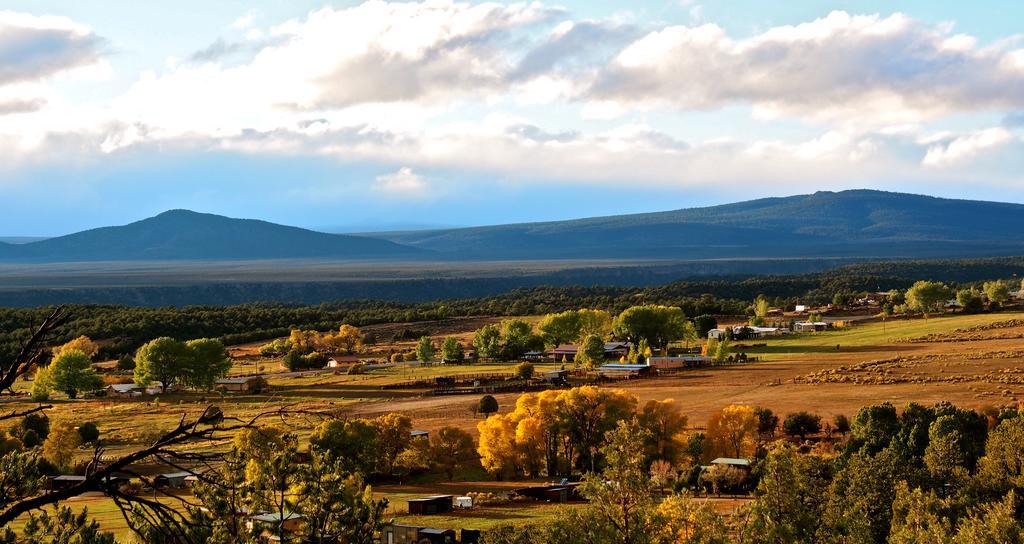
849,224
188,235
858,223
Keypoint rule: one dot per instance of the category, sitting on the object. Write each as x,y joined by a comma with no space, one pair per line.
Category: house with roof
123,390
174,480
612,350
435,504
271,523
741,464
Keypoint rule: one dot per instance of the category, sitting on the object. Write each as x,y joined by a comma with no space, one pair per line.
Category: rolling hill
187,235
858,223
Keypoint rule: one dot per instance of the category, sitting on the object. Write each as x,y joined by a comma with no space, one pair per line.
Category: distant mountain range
857,224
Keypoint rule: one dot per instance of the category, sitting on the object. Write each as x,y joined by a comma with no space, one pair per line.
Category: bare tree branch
205,427
32,351
15,413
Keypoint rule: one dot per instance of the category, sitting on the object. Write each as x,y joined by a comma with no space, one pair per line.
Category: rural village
468,427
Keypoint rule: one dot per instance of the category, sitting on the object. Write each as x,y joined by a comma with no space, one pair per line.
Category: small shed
400,534
810,326
435,504
418,433
245,384
463,502
623,370
557,493
436,536
685,361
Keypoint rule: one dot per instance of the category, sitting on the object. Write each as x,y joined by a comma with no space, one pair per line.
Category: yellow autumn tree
82,343
304,341
497,445
666,423
348,339
731,432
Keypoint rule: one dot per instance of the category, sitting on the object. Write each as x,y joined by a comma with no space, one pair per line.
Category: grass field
874,362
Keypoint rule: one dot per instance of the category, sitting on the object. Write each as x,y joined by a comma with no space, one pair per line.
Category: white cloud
863,69
966,146
404,183
33,48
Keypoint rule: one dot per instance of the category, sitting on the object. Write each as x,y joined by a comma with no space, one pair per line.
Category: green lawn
871,334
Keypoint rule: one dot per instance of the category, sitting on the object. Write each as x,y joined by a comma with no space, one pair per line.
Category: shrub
89,432
487,405
357,368
524,371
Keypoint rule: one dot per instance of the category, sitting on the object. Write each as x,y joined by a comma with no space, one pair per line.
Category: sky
360,116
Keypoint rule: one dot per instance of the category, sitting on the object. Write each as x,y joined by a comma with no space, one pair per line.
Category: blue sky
376,115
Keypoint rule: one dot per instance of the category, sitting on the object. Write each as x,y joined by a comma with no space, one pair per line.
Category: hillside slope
833,224
187,235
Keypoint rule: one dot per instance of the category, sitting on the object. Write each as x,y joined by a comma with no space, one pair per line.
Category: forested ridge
125,328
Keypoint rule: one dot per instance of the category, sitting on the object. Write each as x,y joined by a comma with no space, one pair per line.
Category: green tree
705,323
789,499
208,363
517,338
767,422
659,325
590,353
89,432
352,443
927,296
621,496
72,372
425,349
560,328
42,384
998,292
524,371
970,300
801,424
62,526
994,523
451,350
597,322
1002,467
874,428
860,498
487,342
335,506
487,405
918,517
163,360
